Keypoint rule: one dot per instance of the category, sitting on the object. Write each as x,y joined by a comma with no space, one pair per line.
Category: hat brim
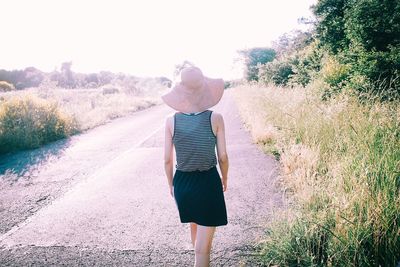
185,100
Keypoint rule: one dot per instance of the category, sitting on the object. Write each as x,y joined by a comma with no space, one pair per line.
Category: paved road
101,198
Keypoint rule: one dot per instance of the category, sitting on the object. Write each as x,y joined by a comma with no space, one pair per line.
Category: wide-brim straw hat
195,92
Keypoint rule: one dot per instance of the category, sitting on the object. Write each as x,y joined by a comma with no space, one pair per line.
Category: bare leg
193,232
204,239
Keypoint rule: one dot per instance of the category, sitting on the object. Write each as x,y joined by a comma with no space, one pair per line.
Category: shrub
254,58
6,86
277,72
110,90
301,74
29,122
381,69
334,75
306,64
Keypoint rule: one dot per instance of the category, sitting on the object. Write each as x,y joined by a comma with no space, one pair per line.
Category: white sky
143,38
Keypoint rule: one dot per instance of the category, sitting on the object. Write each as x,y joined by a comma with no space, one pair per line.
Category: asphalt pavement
101,199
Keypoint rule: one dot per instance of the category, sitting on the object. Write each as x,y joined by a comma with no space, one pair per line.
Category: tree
33,77
289,43
370,24
373,24
364,34
29,77
254,58
330,24
67,79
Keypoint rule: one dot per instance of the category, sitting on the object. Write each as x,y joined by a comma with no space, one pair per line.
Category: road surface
101,198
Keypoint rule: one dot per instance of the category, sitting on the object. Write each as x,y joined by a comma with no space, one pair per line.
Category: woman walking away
195,132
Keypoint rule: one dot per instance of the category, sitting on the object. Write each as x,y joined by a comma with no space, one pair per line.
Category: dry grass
84,108
91,107
28,122
340,162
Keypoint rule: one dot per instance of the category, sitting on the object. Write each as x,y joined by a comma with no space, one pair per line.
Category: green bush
334,75
301,73
277,72
381,69
297,67
255,58
306,64
29,122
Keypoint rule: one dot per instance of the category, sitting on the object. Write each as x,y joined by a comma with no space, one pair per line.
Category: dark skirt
200,198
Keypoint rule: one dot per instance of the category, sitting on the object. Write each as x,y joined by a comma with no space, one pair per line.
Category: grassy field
32,117
340,163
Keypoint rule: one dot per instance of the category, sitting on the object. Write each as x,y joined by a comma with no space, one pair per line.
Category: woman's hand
224,184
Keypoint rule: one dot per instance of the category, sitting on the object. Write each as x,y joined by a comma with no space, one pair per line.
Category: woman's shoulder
169,119
171,115
216,114
216,118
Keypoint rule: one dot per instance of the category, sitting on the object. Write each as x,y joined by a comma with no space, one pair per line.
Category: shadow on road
16,165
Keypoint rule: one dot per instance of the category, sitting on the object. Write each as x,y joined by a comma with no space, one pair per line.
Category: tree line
67,78
351,45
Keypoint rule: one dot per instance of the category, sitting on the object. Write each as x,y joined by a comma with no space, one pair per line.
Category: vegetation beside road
32,117
326,103
340,166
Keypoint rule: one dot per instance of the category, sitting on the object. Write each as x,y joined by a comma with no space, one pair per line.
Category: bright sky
143,38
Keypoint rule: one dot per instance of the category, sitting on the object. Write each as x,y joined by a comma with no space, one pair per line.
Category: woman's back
194,141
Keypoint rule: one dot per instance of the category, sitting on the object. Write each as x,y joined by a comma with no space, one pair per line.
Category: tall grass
93,107
340,163
32,117
29,122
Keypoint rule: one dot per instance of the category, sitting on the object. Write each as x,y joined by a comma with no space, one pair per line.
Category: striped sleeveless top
194,141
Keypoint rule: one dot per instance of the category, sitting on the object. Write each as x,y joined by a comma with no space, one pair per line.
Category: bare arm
169,153
221,149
